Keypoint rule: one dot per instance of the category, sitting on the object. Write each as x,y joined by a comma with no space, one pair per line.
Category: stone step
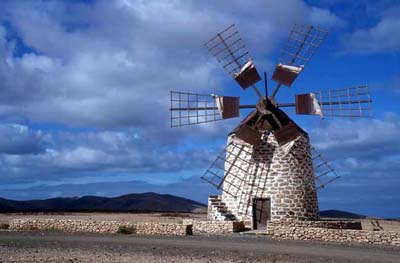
219,206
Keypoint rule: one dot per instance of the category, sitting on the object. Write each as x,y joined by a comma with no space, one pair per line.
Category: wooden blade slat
324,172
191,108
233,169
230,51
348,102
302,43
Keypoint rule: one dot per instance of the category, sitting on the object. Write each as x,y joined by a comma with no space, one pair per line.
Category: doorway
261,212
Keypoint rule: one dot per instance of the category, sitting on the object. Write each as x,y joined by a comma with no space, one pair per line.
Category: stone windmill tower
268,170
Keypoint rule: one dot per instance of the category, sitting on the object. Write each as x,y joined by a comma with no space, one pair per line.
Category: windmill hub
268,170
272,101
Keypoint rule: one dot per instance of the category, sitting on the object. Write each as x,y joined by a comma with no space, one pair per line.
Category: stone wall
284,175
151,228
331,224
333,235
214,227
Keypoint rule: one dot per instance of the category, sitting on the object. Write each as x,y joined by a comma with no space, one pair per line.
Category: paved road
61,247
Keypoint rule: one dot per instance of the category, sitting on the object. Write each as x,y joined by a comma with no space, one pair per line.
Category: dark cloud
365,153
367,139
72,154
19,140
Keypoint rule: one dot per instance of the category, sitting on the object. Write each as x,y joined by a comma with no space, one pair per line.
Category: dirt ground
387,225
85,247
63,247
130,217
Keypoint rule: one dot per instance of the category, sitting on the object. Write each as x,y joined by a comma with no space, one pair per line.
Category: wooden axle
283,105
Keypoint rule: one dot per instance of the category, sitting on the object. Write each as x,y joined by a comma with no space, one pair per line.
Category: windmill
268,170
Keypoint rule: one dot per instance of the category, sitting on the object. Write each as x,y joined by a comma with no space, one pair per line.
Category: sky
85,94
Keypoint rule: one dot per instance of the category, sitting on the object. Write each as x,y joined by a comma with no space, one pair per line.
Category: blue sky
85,86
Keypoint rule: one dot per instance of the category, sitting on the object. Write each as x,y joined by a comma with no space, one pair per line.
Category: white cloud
108,66
383,37
363,137
326,18
363,150
94,62
29,155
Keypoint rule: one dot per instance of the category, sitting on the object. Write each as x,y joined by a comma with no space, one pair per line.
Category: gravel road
62,247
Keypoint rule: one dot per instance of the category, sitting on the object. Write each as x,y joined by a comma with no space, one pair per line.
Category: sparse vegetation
175,214
4,226
126,230
32,228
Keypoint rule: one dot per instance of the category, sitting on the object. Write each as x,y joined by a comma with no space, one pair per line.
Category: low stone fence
333,235
355,225
151,228
214,227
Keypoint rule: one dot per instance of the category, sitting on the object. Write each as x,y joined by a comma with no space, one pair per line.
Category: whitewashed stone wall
333,235
141,228
214,227
286,178
332,224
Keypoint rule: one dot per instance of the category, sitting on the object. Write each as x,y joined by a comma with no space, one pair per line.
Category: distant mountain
340,214
146,202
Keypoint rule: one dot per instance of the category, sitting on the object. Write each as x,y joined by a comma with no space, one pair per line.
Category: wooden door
261,212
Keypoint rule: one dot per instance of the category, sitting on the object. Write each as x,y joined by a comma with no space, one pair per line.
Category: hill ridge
133,202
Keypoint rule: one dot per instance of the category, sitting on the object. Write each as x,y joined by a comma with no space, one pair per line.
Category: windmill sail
324,173
302,43
192,108
307,104
230,51
233,169
228,106
348,102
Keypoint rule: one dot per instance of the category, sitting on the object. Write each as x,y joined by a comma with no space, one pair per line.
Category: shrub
4,226
126,230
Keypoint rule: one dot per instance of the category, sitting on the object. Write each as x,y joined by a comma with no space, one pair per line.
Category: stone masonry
187,227
214,227
140,228
297,231
217,210
285,176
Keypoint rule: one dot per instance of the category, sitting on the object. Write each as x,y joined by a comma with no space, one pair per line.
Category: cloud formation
85,86
17,139
380,37
108,65
365,153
